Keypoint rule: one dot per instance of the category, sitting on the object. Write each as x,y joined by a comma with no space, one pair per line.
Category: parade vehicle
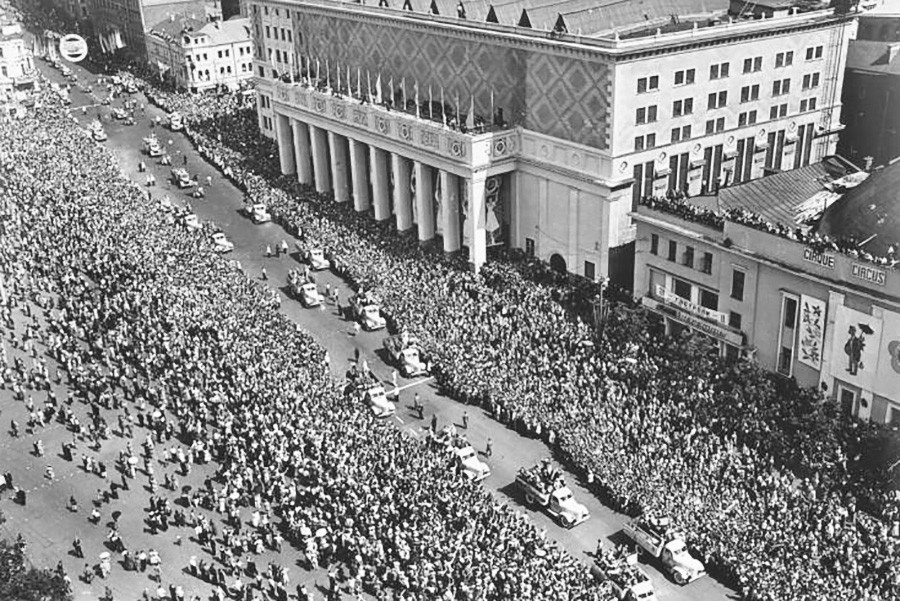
190,221
165,159
152,146
131,87
316,259
259,213
119,113
620,570
304,289
658,538
544,487
449,439
378,402
176,122
221,243
181,178
65,70
97,132
364,309
165,204
404,351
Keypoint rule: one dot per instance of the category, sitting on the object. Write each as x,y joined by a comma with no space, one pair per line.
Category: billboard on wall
856,346
812,331
887,381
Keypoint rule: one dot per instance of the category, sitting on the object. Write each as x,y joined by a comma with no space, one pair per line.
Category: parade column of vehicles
544,487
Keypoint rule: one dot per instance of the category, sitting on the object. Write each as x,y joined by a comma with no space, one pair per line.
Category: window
681,288
814,53
810,80
262,72
734,320
3,71
529,247
648,84
679,134
688,257
220,54
749,93
645,115
752,65
709,299
808,104
787,334
706,265
268,32
673,251
737,284
748,118
682,107
717,100
684,77
784,59
781,87
645,142
715,125
779,110
654,244
719,71
589,270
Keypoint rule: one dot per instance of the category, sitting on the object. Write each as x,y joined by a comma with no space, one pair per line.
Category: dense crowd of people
146,317
765,477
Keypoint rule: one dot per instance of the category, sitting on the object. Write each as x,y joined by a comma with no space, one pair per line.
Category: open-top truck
404,351
629,582
544,487
664,543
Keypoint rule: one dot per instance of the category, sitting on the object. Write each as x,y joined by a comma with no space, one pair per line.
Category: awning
694,322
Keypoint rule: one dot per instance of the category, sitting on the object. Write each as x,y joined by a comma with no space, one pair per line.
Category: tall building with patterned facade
559,116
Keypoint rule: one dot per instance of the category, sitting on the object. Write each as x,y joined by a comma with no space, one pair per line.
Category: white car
310,295
474,469
221,243
379,403
175,122
192,222
317,260
259,213
371,318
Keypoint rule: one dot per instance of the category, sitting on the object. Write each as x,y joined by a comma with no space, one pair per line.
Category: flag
443,109
457,110
403,91
391,88
327,76
120,43
338,87
493,117
349,83
430,104
470,118
358,84
378,98
369,86
416,91
102,41
318,72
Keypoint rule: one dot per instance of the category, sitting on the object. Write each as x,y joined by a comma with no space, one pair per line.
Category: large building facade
122,24
577,127
17,71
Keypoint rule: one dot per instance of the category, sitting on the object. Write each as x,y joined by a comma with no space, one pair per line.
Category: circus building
541,125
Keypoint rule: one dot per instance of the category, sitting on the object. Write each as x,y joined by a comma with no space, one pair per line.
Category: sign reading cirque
73,47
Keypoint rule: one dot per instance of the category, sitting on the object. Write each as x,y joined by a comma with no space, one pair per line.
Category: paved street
50,529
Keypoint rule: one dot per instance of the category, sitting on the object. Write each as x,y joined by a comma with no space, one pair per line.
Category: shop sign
686,305
821,259
694,322
867,273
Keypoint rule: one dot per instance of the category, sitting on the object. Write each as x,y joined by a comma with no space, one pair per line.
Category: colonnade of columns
388,183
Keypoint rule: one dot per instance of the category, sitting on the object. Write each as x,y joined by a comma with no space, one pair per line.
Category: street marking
399,419
416,383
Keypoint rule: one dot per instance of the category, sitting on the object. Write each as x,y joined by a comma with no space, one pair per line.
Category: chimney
893,50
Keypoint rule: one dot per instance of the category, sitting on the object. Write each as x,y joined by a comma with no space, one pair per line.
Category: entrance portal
558,263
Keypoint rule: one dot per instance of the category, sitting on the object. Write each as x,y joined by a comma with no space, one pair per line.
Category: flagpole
358,84
457,110
403,92
368,85
430,105
443,109
493,115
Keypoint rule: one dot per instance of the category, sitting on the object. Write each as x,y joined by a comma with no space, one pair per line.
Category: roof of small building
219,32
869,213
881,57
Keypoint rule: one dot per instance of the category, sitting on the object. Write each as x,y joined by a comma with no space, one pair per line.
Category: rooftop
869,213
218,32
874,57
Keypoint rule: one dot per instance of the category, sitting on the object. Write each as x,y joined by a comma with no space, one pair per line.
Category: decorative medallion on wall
429,138
575,159
761,134
384,128
319,105
457,148
544,151
406,132
623,166
793,126
696,149
339,110
361,118
300,98
282,94
662,157
501,147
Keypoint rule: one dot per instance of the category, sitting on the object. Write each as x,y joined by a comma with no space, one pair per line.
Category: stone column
359,170
285,137
402,194
302,152
337,144
450,213
424,199
477,234
320,158
381,195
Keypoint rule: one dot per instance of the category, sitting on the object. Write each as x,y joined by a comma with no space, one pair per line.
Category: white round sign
73,47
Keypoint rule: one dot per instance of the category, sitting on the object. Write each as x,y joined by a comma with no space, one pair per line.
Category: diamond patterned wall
557,95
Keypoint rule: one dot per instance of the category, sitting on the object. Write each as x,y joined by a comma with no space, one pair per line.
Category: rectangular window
748,118
673,251
750,93
718,71
737,284
681,288
777,111
589,270
684,77
262,72
717,100
645,115
268,32
688,258
651,141
648,84
679,134
638,143
810,80
715,125
706,265
683,107
734,320
654,244
709,299
787,334
781,87
752,65
808,104
529,247
814,53
784,59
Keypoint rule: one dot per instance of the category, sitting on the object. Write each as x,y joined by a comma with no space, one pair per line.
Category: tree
21,582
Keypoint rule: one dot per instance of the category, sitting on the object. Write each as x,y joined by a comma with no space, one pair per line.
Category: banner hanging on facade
887,380
812,331
857,338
